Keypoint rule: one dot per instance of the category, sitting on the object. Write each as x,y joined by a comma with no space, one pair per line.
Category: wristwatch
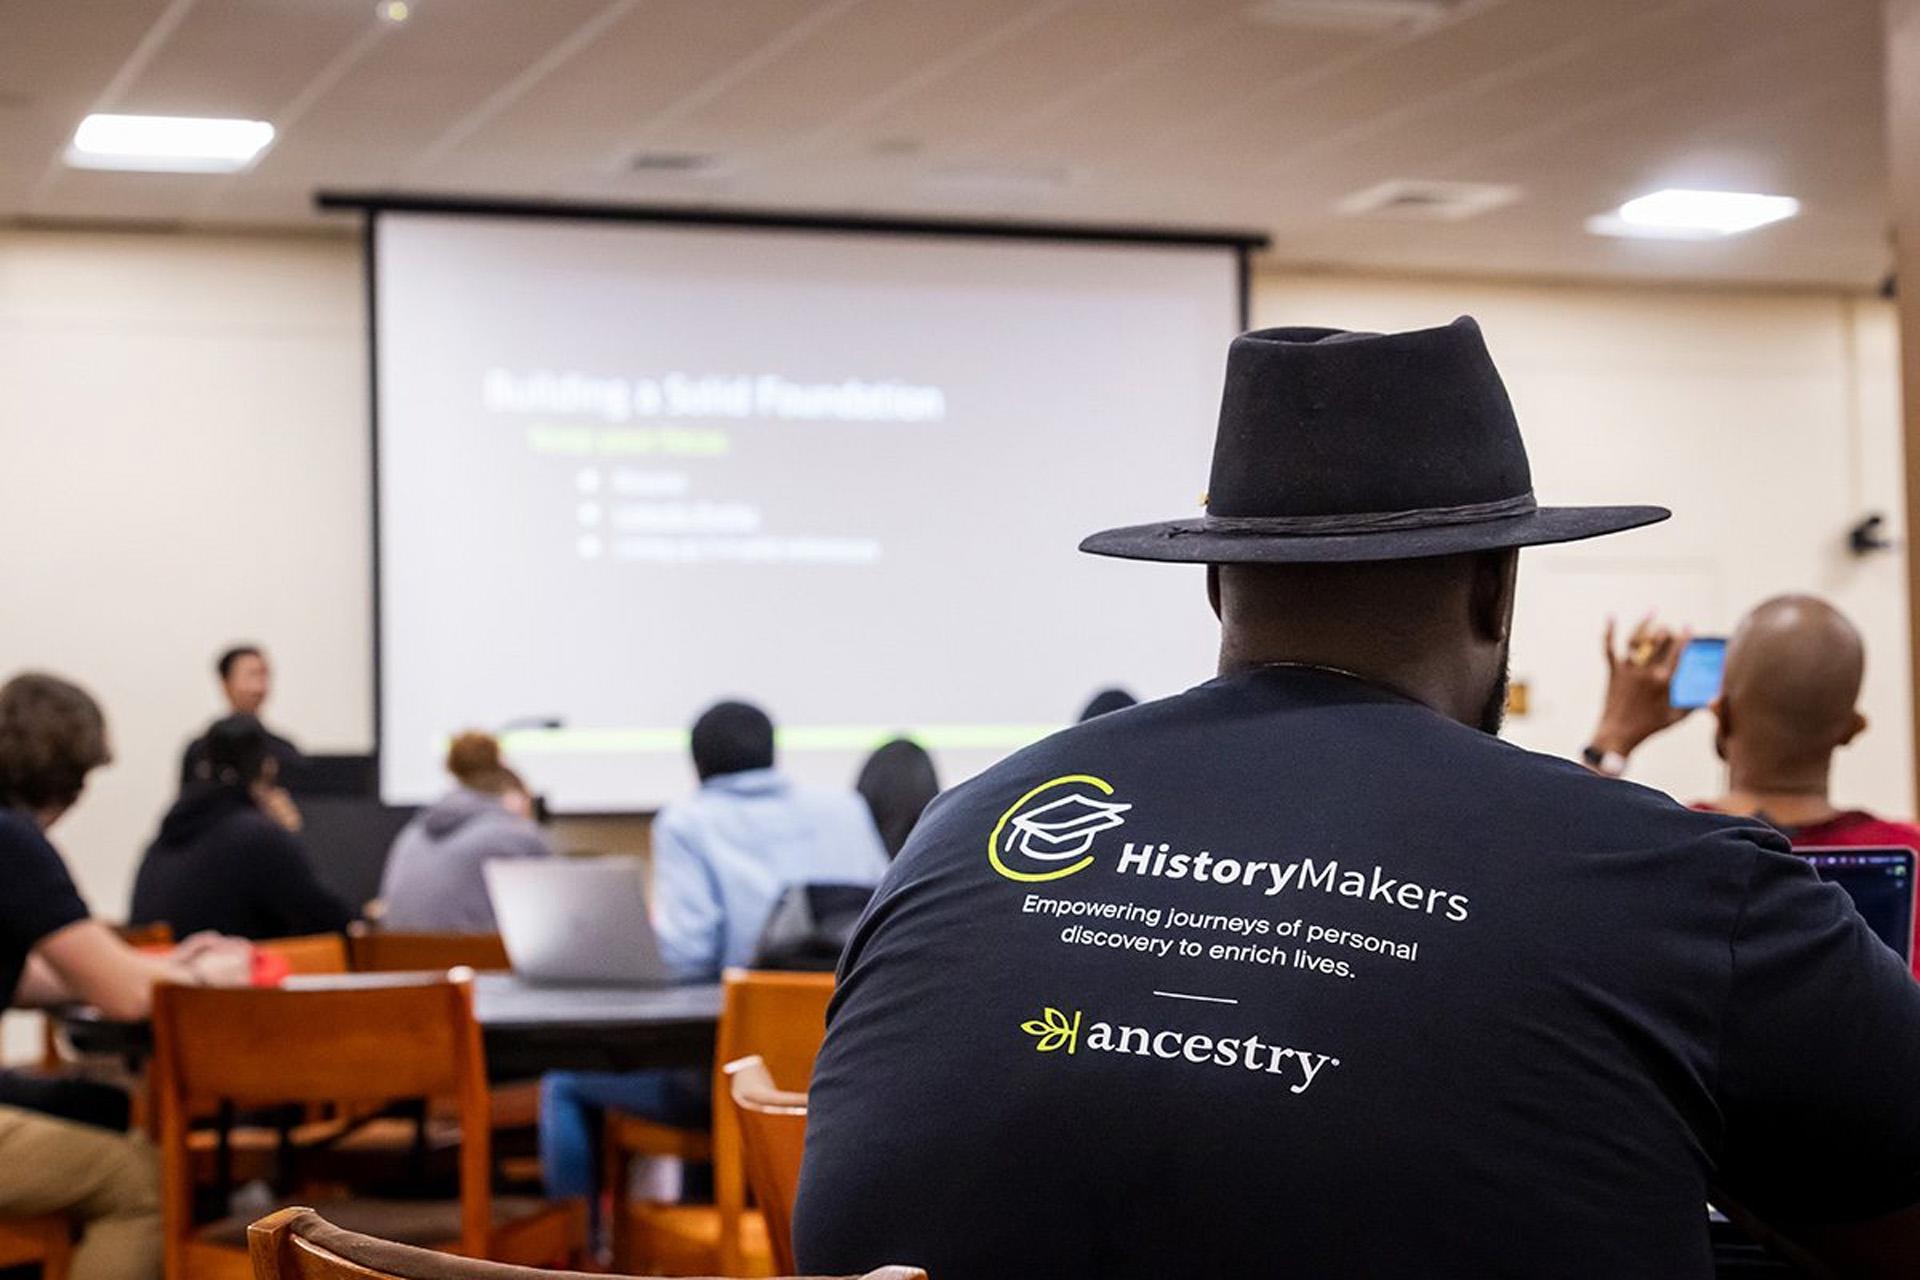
1611,763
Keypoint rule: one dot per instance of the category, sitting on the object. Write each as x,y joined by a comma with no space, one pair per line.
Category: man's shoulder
21,837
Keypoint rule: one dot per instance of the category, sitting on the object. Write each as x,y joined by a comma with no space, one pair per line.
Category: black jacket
219,863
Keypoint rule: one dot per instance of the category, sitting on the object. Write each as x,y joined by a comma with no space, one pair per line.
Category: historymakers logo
1048,833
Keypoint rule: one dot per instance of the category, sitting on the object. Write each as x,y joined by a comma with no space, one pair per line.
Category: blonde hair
473,758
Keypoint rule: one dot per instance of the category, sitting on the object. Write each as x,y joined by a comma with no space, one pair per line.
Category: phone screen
1696,681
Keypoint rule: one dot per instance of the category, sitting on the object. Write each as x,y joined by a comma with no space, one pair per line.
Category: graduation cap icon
1063,828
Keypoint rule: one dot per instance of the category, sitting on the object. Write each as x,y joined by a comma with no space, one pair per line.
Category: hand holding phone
1639,686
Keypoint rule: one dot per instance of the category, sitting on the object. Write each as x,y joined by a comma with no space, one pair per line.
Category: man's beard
1494,713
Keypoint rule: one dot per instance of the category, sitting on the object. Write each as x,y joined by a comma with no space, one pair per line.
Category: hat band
1362,522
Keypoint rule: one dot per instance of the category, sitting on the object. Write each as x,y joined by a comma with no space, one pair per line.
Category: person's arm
1819,1051
1639,694
285,885
86,962
688,915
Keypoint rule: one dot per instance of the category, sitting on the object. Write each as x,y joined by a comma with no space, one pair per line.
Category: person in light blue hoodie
721,859
433,882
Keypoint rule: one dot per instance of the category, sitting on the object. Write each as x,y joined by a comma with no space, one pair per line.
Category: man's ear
1490,594
1722,713
1856,725
1213,588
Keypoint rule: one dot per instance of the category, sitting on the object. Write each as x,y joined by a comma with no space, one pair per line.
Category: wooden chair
314,953
298,1244
45,1242
515,1105
355,1045
378,951
773,1134
782,1017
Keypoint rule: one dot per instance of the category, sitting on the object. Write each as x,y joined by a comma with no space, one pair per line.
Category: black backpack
809,926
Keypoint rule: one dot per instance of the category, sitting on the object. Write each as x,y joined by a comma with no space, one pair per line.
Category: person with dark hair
721,859
52,736
1305,969
246,679
1113,699
433,880
898,782
228,855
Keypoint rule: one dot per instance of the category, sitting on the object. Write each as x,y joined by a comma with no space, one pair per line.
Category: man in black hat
1305,972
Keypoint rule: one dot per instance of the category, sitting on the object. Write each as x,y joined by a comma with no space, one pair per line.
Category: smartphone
1696,681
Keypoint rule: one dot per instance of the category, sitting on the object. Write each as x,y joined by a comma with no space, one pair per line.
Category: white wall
1768,423
185,463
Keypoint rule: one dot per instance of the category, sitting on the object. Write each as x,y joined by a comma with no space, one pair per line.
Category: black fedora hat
1339,446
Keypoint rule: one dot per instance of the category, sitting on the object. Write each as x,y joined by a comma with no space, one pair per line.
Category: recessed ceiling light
1681,214
168,144
393,10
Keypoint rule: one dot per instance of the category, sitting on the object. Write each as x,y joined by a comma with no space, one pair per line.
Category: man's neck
1785,796
1430,688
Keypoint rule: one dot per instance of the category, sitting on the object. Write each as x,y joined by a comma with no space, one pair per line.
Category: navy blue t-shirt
37,896
1289,974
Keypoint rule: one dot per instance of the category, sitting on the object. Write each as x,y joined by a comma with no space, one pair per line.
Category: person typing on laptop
721,859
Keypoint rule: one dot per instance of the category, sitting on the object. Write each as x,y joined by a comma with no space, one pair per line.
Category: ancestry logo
1054,1030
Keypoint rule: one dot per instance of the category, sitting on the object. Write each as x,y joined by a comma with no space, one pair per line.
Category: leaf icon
1053,1029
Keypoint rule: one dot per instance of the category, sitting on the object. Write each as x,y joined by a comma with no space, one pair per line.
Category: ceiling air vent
673,162
1364,17
1427,201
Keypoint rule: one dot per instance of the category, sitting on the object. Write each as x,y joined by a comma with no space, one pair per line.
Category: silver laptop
576,920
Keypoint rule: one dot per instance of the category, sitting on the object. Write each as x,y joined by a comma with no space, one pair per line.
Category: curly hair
51,735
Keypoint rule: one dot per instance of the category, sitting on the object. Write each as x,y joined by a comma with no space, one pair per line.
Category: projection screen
626,469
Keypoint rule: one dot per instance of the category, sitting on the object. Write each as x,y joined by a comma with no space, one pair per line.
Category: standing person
1305,967
51,736
228,856
721,859
898,782
246,679
433,879
1789,699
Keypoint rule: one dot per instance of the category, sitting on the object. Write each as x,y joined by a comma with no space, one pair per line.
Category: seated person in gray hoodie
433,881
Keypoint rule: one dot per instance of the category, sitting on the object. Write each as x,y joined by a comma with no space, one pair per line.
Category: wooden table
528,1029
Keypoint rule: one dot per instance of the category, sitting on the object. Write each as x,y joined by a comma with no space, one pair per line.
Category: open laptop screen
1880,882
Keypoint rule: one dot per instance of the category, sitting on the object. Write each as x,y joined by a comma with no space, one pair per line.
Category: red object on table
270,968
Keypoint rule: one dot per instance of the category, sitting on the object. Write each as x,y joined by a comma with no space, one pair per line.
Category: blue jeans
571,1104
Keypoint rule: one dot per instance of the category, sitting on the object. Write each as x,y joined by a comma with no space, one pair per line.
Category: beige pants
105,1182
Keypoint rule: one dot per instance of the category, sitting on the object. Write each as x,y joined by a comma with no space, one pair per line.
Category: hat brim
1198,542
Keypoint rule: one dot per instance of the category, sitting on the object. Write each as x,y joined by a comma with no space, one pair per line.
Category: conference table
528,1029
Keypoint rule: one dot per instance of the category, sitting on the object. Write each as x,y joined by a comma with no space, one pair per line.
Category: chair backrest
773,1133
378,951
315,953
298,1244
781,1017
359,1043
45,1242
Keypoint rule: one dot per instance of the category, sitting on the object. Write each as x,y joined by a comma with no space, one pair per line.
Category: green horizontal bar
823,737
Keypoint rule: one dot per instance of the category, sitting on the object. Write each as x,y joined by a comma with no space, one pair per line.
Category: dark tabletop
528,1029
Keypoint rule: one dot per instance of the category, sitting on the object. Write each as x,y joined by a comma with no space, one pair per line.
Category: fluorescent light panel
168,144
1681,214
